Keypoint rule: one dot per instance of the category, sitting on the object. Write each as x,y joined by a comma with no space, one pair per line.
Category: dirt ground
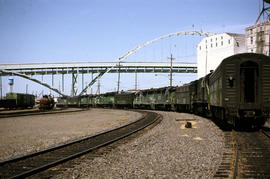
27,134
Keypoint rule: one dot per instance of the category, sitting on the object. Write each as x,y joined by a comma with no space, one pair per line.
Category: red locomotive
46,103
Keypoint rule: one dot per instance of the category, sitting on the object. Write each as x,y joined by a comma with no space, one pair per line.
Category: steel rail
33,113
131,128
266,132
235,168
252,157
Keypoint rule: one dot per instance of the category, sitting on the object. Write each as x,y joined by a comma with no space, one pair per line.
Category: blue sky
97,30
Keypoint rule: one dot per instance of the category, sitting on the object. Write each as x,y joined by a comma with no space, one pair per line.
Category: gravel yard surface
169,150
27,134
4,111
35,109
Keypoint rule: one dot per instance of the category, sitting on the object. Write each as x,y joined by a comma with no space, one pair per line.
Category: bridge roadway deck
96,67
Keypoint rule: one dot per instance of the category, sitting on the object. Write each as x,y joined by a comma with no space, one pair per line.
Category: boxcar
3,103
19,100
240,89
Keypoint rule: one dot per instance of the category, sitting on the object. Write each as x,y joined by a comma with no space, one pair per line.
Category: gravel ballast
27,134
169,150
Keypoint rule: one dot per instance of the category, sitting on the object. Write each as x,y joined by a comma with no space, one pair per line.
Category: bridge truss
76,68
82,68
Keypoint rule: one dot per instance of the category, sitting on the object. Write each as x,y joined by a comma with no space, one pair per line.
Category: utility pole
171,58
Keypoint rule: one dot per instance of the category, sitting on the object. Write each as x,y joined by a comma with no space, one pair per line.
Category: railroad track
227,164
253,155
246,155
34,163
266,132
38,112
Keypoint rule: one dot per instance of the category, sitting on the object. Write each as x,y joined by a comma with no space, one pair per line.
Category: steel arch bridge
24,70
200,33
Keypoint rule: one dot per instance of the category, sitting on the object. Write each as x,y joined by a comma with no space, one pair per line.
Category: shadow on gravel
223,126
228,127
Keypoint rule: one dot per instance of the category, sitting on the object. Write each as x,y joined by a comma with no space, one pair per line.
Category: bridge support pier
82,81
118,83
63,82
74,83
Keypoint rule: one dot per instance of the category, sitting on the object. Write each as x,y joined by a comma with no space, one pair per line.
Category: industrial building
258,38
212,50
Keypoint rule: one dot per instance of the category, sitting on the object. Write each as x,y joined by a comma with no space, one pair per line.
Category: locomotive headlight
226,99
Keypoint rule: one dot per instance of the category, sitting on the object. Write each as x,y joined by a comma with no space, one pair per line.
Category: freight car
18,100
240,90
